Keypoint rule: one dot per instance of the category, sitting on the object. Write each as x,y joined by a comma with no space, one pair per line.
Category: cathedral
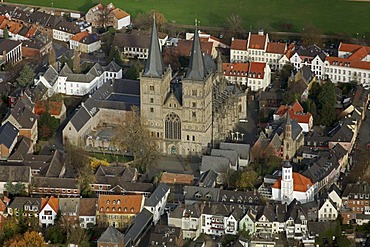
188,115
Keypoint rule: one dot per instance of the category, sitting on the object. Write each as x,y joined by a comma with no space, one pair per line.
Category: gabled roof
177,178
119,13
200,193
53,202
257,69
79,36
240,148
301,183
184,47
7,45
239,44
274,47
217,164
137,228
229,154
8,133
257,41
359,188
266,211
186,210
111,235
208,179
80,118
120,204
23,115
15,174
69,206
157,195
88,206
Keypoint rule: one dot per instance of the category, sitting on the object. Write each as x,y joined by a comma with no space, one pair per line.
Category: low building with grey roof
242,150
58,187
15,174
30,205
140,225
111,238
8,139
218,164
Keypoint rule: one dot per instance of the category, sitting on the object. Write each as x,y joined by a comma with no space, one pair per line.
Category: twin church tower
191,114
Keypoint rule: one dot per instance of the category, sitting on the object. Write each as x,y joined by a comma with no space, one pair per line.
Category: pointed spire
288,119
154,65
197,70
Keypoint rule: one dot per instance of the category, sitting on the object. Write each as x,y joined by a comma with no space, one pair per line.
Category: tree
234,25
10,229
15,188
171,57
26,76
143,21
134,71
76,61
34,239
115,55
47,125
69,62
55,234
247,179
52,57
160,20
311,36
134,136
6,33
104,18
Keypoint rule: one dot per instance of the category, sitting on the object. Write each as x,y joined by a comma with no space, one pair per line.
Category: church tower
154,86
288,139
287,182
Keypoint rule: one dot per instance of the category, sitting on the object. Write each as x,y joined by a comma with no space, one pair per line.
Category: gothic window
173,126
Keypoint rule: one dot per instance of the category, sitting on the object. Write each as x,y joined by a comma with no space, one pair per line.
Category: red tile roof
257,68
295,112
119,13
257,41
348,47
274,47
175,178
239,44
14,27
79,36
52,201
241,69
120,204
300,183
2,18
31,32
4,23
345,62
184,47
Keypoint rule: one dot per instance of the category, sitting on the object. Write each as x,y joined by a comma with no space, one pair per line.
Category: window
193,138
151,100
187,137
151,88
173,126
151,109
194,92
194,104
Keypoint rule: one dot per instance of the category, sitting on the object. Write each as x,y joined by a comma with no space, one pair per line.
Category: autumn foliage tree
234,25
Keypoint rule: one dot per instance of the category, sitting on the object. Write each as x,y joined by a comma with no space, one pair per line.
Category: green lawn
331,16
110,157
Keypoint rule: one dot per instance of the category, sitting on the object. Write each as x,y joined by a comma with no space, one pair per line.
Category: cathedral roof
154,65
300,183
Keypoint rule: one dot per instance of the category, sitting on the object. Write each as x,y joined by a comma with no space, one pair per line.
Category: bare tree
312,36
135,137
76,61
104,18
234,25
52,57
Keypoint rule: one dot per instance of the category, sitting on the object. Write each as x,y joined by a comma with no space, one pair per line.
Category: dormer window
198,195
108,202
132,209
125,209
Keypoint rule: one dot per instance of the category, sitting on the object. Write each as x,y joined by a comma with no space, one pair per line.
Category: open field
330,16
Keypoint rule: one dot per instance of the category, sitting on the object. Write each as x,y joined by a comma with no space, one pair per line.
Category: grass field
330,16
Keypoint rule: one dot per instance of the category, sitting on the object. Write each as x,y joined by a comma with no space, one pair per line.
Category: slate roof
69,206
201,193
157,195
311,51
320,168
7,45
111,235
208,179
359,188
51,75
241,149
229,154
197,69
138,226
8,133
62,183
23,115
19,202
239,197
344,134
154,65
217,164
215,209
15,174
81,117
267,211
186,210
125,174
88,206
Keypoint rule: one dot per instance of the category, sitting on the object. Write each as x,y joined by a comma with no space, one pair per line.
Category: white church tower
287,182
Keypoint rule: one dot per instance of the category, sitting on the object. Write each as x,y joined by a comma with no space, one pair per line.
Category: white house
328,210
292,185
187,217
247,222
69,83
214,217
49,211
156,203
255,75
64,30
85,42
87,212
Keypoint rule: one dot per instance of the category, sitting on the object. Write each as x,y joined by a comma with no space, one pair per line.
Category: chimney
260,32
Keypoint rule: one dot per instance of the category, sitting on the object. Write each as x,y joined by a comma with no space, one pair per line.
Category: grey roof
197,69
208,179
154,65
15,174
268,212
335,188
138,227
63,183
240,148
344,134
359,188
229,154
114,175
320,168
69,206
112,67
7,45
90,38
8,133
215,209
187,210
88,206
195,193
111,235
217,164
51,75
80,118
296,212
311,51
19,202
23,115
56,166
157,195
66,26
239,197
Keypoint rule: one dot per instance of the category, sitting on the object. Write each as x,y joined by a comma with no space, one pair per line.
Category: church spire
197,70
154,65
